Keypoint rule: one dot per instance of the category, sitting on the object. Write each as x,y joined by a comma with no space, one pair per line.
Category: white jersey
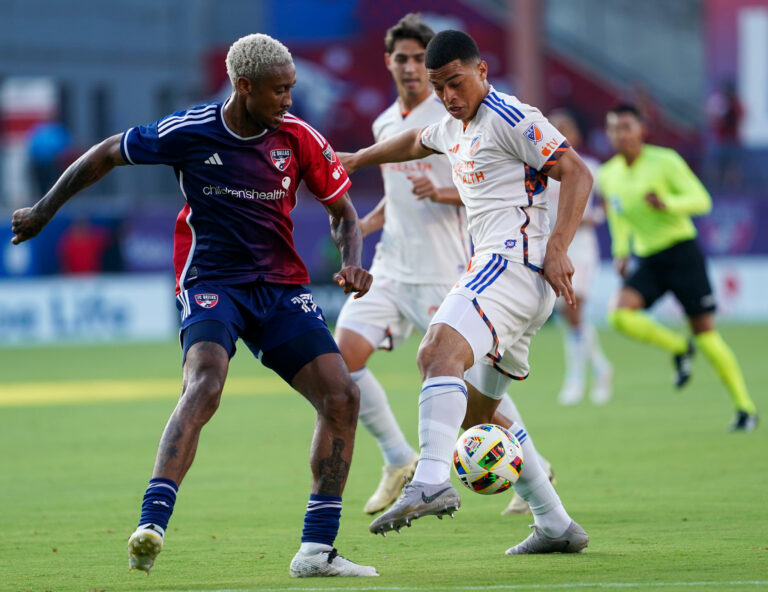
422,242
499,167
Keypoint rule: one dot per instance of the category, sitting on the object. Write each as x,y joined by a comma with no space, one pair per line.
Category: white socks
378,419
596,355
509,410
534,487
576,353
442,406
312,548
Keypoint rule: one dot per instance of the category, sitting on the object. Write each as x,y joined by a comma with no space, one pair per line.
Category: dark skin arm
345,231
26,223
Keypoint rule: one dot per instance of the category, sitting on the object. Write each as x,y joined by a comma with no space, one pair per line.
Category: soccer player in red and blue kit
238,165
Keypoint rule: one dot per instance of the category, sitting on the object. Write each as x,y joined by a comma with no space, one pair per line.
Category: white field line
566,586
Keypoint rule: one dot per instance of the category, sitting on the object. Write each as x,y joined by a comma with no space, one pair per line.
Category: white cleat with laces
324,564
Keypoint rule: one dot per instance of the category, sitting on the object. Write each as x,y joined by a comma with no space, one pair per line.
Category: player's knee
201,398
434,360
354,348
341,404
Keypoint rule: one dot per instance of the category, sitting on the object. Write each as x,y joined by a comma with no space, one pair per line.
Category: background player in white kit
423,249
501,151
581,343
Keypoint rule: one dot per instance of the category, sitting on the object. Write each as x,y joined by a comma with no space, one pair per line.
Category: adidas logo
214,159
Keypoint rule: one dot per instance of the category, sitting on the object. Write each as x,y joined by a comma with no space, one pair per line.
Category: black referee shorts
679,269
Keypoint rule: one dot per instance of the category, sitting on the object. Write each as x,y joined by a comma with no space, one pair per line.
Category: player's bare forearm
345,231
374,220
575,186
423,188
26,223
399,148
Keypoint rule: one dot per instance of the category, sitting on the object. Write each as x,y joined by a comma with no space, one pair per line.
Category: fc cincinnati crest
533,133
474,145
281,158
207,300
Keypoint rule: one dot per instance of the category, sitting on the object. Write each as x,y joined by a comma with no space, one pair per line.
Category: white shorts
497,306
387,314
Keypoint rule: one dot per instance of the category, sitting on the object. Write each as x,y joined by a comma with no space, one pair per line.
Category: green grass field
669,498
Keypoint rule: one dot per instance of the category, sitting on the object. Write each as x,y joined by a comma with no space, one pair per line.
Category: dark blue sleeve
144,144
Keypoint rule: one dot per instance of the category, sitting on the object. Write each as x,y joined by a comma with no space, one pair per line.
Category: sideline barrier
87,309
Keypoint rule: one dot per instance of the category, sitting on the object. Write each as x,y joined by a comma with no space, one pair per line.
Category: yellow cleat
393,477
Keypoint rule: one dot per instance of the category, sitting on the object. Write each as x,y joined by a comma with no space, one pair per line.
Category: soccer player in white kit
501,152
423,249
582,347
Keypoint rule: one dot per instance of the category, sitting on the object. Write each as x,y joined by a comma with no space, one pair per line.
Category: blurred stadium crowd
73,73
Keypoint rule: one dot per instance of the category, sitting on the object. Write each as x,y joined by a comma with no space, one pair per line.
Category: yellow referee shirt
637,227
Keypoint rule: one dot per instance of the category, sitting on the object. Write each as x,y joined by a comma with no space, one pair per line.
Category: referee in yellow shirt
650,195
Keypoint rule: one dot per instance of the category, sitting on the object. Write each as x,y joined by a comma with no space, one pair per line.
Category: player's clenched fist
26,223
354,279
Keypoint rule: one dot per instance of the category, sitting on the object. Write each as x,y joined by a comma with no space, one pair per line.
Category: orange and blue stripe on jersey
488,274
554,157
509,113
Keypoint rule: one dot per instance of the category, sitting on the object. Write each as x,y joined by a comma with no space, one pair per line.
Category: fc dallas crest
207,300
281,158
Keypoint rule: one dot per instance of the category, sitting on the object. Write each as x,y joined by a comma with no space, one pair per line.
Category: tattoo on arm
348,239
333,471
82,173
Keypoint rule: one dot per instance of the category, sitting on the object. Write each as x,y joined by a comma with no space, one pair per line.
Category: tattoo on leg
333,471
168,449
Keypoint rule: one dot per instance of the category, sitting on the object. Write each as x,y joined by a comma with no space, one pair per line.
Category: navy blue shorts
679,269
280,324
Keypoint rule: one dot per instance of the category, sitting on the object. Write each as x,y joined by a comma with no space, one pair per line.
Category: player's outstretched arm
374,220
575,185
27,223
404,146
345,231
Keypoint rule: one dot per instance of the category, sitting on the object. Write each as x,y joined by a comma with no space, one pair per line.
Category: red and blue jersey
236,225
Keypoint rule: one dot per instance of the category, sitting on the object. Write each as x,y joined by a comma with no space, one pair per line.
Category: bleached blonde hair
254,55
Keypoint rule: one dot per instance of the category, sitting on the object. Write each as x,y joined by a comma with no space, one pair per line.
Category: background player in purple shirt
238,165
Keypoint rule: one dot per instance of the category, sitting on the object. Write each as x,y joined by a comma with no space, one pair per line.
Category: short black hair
409,27
628,109
448,46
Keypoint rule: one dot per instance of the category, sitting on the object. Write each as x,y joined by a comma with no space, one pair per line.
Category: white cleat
393,477
144,546
572,393
417,500
573,540
327,564
518,505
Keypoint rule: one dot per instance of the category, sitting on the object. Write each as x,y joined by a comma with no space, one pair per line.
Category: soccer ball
488,459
